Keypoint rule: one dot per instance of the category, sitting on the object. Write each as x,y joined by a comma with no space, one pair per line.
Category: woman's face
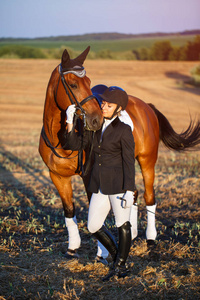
108,109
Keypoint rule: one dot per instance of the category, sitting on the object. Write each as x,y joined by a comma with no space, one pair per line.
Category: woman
112,179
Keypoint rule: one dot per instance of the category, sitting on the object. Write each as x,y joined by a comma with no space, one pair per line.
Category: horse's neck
52,114
51,118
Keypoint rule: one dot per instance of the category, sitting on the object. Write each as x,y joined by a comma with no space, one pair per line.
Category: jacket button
99,164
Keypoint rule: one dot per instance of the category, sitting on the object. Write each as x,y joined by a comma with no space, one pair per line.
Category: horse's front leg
147,165
63,185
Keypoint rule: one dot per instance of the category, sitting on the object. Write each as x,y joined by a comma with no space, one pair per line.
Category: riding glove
128,199
70,113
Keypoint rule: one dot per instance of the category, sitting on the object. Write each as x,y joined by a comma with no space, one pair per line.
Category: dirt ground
33,236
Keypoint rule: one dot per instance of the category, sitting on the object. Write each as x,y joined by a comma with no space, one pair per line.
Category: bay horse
69,84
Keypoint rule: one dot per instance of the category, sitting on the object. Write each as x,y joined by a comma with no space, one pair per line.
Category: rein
48,143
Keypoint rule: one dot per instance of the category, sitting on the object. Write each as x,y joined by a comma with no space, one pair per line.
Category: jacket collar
115,121
107,129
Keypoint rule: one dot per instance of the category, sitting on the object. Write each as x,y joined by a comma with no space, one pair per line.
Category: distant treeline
104,36
160,50
163,50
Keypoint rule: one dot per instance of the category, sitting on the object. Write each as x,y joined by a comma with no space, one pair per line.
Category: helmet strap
114,113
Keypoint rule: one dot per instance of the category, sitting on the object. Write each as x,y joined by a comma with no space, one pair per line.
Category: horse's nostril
94,122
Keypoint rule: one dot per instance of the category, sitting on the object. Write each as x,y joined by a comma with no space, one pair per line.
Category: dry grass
33,235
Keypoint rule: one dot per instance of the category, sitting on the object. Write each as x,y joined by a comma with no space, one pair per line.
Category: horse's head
76,87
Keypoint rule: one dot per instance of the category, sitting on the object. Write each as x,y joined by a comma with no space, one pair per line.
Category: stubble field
33,237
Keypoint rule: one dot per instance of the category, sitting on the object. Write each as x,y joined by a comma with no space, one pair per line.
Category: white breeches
99,208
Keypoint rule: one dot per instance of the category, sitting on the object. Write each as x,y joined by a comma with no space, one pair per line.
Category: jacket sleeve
75,141
128,157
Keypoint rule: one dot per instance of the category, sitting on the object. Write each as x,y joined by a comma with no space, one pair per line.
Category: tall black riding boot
107,240
119,267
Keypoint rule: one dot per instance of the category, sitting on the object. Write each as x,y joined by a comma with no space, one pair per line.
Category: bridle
72,98
82,115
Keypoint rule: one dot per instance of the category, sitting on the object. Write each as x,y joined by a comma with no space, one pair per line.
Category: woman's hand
70,113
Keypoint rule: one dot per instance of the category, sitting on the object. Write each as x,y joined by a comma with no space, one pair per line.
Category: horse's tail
172,140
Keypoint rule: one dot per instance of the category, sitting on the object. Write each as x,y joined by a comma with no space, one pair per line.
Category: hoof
153,251
100,259
133,240
71,254
151,245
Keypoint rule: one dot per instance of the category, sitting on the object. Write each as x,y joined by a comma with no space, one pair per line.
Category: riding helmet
115,95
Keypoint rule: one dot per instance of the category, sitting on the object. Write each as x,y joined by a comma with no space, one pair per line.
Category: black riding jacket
113,169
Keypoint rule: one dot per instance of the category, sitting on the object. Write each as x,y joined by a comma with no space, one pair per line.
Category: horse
68,85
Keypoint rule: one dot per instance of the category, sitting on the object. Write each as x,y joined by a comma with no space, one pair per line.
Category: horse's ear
68,63
81,58
65,61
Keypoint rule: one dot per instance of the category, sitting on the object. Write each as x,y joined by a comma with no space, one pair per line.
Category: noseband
73,99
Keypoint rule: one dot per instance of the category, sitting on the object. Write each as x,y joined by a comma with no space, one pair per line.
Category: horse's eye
73,86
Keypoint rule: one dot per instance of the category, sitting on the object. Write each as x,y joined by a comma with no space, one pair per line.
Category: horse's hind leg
63,185
147,165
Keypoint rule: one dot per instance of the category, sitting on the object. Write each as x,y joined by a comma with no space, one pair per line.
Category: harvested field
33,235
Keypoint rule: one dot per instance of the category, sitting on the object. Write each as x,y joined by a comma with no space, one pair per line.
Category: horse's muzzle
94,122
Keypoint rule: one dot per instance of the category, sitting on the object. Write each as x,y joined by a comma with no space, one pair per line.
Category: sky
44,18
